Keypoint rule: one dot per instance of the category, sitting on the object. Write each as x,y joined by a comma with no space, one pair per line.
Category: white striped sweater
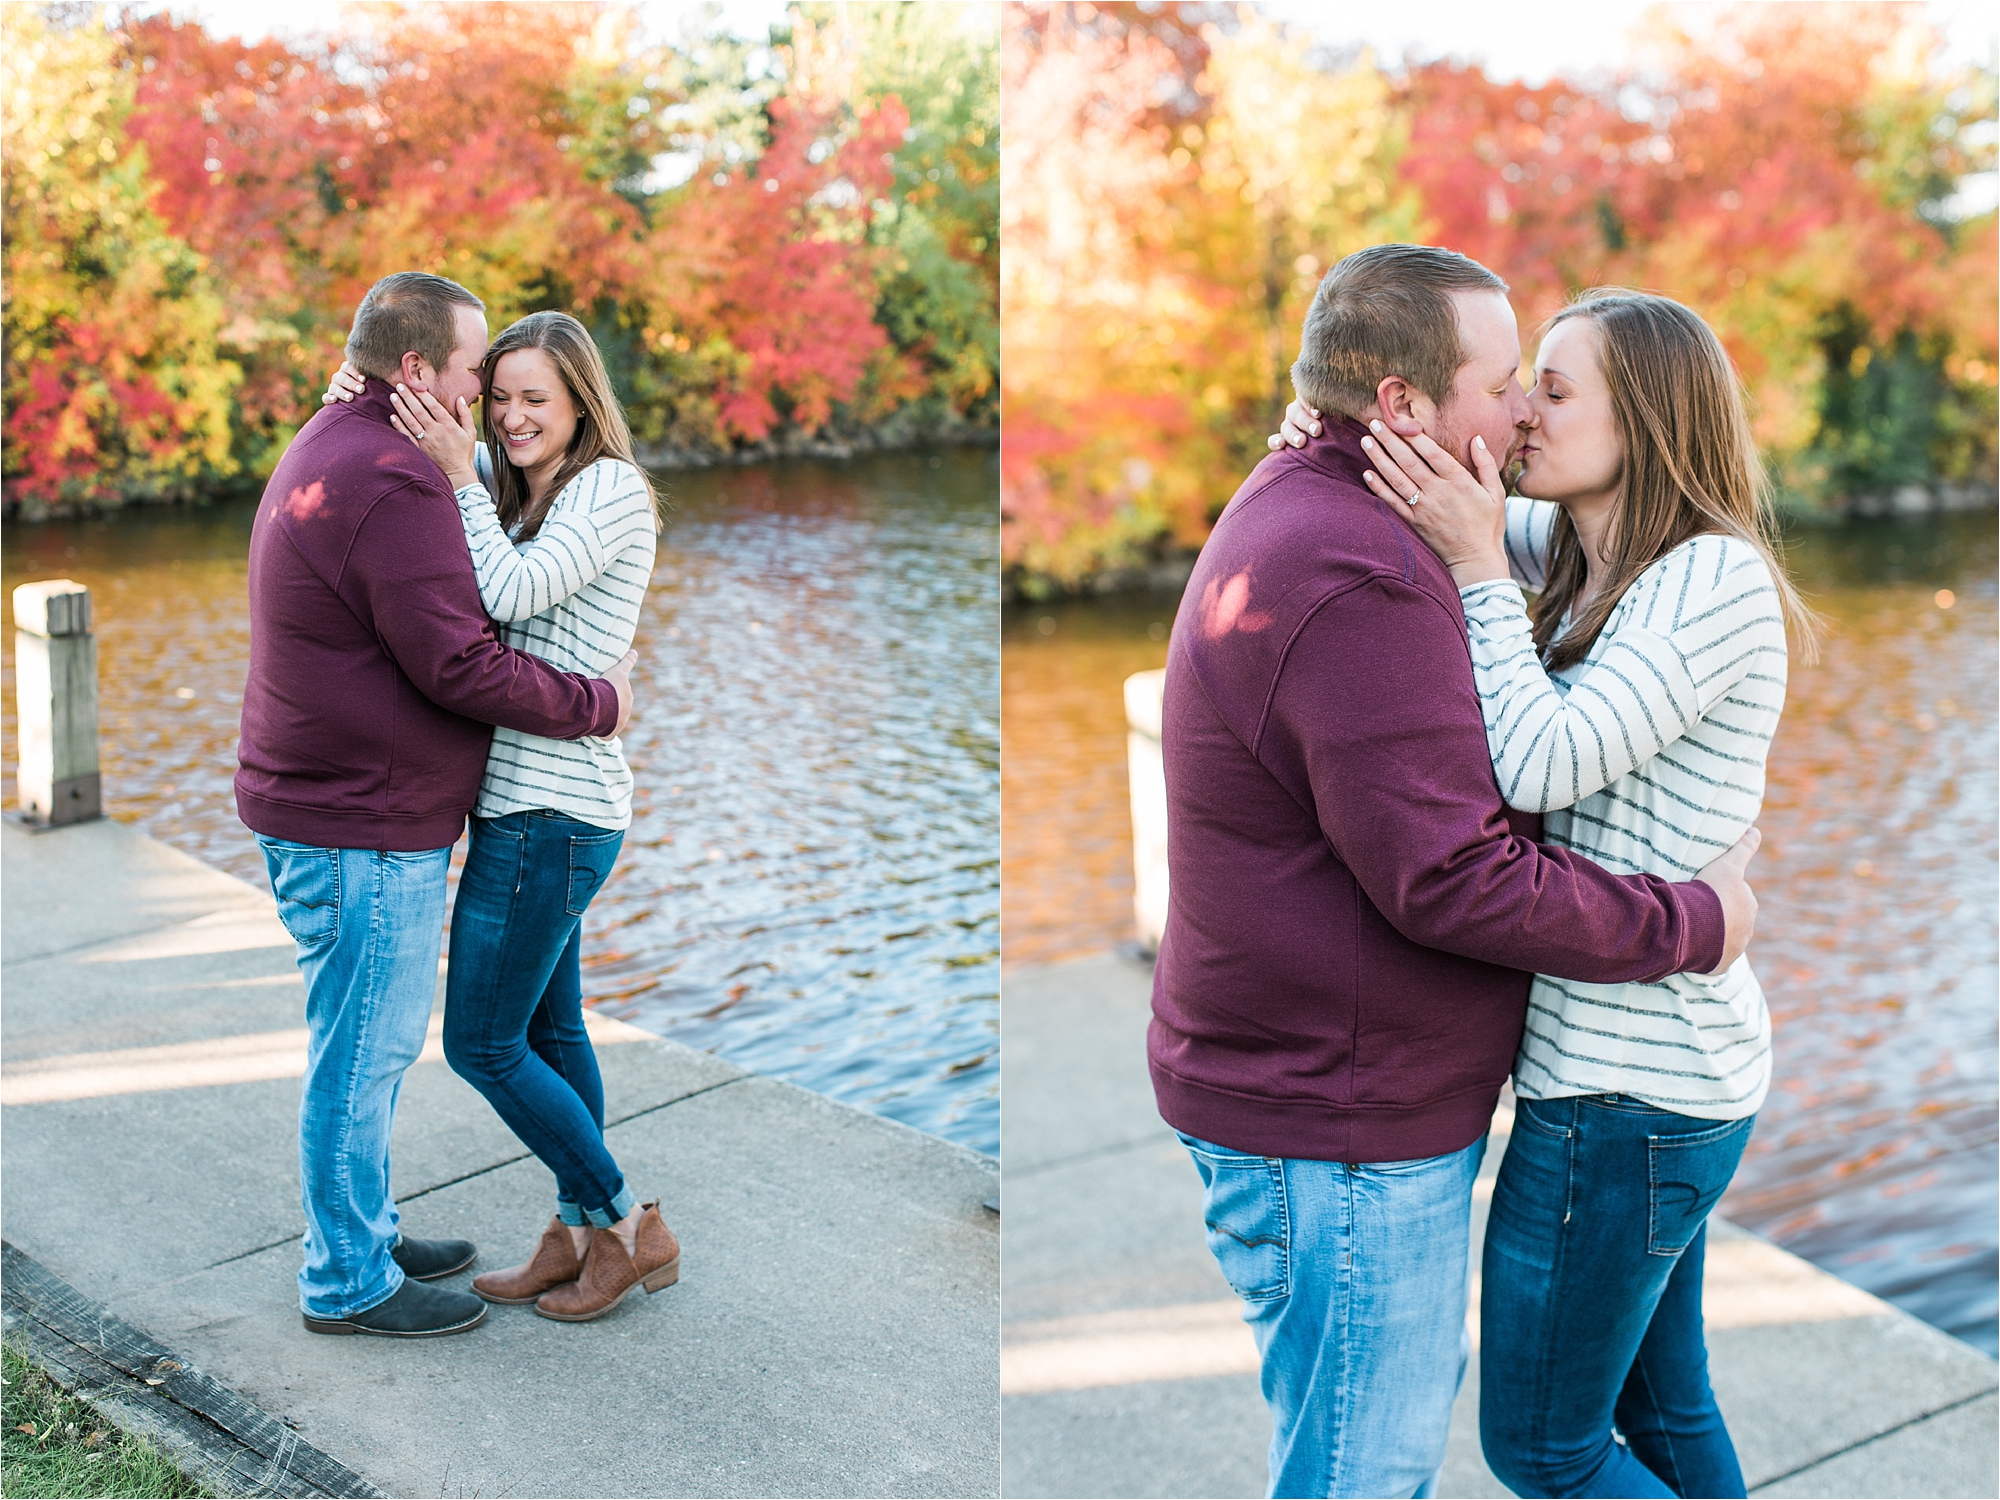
570,596
1646,757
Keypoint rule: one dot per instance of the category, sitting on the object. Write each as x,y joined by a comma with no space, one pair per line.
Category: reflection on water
810,885
1876,1154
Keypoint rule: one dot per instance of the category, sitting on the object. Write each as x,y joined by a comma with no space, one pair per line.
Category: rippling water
1876,1154
811,883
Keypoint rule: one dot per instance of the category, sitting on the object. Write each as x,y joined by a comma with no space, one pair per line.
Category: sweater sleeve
1670,651
1374,706
408,574
1526,540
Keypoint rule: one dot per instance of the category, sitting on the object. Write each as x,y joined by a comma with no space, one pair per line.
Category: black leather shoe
415,1312
427,1260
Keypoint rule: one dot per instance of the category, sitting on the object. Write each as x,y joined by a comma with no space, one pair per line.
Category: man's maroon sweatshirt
375,675
1353,915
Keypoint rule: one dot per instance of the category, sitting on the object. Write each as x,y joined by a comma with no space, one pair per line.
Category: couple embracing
1423,838
442,628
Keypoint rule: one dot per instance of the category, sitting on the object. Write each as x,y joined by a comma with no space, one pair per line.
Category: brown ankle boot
609,1273
553,1263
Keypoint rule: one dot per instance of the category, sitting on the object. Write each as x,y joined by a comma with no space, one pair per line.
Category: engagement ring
1416,497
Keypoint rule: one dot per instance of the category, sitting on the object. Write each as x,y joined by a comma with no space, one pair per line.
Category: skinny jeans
513,1020
1590,1302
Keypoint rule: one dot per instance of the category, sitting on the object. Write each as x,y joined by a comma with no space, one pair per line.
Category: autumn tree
460,140
763,238
115,383
1784,171
939,290
1176,182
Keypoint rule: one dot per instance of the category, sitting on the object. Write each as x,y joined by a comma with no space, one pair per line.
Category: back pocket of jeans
1247,1218
306,882
1688,1174
590,860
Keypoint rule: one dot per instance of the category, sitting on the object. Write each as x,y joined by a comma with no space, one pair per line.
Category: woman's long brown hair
600,422
1690,468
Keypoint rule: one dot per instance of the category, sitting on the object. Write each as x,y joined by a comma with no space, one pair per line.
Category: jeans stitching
331,857
1672,1479
343,1155
1536,1123
1544,1405
578,846
1342,1317
1693,1140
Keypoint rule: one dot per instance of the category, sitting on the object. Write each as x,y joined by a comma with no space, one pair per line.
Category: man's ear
1402,404
413,372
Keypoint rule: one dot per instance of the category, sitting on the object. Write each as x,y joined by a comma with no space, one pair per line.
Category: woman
1635,712
562,543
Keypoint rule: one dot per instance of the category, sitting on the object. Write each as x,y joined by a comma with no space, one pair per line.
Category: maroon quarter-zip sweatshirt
1353,915
375,675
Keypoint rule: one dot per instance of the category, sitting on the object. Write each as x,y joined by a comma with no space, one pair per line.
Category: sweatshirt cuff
604,699
1702,908
1486,585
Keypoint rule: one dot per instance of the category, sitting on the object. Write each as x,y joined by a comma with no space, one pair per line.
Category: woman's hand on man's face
448,439
1462,517
346,383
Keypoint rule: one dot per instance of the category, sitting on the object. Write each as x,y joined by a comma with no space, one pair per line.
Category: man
1354,914
375,680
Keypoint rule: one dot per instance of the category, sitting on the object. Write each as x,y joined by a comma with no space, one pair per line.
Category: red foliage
461,153
86,376
771,259
1757,151
1526,180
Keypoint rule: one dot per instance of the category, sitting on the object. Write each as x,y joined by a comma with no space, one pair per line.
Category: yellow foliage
113,380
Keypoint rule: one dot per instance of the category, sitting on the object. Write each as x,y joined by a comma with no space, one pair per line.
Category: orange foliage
1774,177
505,146
1782,171
770,259
1171,191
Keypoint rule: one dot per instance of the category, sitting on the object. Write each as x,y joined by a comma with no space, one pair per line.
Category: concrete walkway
1126,1370
833,1332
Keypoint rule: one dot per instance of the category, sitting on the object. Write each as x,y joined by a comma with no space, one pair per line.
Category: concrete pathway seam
438,1187
234,1447
249,903
1155,1139
1887,1432
508,1161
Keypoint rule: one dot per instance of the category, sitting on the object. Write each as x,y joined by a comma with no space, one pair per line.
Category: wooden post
1149,805
55,679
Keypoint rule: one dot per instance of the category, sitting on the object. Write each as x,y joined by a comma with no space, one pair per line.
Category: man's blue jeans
1590,1302
513,1017
1353,1280
367,925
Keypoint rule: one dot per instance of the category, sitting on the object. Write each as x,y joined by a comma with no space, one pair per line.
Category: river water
1876,1155
810,886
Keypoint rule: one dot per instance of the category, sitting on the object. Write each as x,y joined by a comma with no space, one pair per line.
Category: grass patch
56,1446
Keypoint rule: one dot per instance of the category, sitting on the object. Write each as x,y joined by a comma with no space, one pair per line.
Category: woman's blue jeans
513,1019
1590,1303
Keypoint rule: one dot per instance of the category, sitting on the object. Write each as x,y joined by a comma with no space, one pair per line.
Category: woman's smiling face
532,410
1572,451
